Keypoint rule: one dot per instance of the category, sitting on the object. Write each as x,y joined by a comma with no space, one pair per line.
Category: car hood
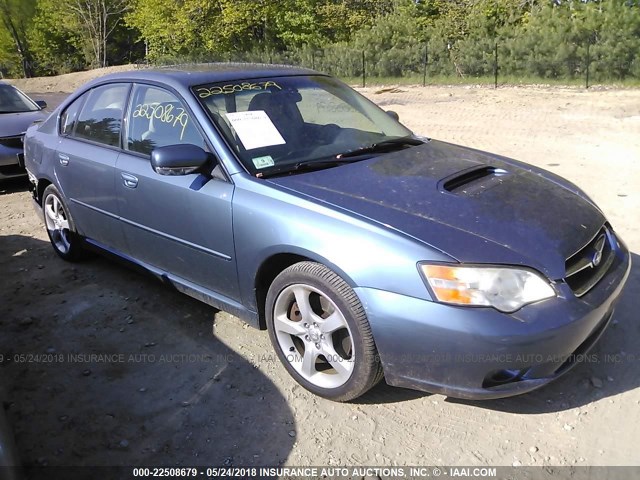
12,124
474,206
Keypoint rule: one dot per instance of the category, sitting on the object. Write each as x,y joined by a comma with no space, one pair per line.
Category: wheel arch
43,183
274,264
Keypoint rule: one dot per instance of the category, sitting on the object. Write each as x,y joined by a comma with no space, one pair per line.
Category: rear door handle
129,180
64,159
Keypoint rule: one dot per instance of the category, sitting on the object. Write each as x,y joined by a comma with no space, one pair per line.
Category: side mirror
42,104
393,115
178,159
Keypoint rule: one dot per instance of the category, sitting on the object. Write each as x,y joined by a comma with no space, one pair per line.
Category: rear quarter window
69,117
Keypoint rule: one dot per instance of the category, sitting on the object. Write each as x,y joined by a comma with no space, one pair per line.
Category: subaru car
286,198
17,112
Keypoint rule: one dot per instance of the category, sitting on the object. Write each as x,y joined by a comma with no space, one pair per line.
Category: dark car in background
284,197
17,112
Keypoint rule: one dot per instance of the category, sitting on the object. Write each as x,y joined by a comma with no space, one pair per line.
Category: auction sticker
263,162
255,129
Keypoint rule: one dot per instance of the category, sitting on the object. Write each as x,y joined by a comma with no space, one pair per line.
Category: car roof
190,75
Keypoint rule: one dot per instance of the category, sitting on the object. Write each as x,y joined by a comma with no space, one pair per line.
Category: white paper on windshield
255,129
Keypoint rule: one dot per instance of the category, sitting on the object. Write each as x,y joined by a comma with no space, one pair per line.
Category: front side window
157,118
101,115
275,122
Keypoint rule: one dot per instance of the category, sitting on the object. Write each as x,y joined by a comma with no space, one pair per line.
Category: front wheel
65,241
320,332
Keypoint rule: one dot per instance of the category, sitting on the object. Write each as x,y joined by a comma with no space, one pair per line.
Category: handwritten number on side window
164,114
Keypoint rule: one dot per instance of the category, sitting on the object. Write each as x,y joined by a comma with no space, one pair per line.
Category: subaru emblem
599,246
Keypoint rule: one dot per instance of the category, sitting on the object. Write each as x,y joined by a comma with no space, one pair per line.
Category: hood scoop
473,181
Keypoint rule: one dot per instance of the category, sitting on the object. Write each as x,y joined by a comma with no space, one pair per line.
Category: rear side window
158,118
100,119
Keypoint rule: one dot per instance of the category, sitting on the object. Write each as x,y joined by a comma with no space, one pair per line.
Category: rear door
179,224
86,159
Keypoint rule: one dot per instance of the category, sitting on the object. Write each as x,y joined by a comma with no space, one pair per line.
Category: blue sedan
284,197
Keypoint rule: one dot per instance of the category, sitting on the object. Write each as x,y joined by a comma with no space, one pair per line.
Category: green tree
57,43
235,28
543,38
70,35
615,40
97,20
172,28
16,16
338,20
394,45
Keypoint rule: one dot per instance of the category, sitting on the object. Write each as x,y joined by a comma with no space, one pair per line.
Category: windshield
13,100
274,123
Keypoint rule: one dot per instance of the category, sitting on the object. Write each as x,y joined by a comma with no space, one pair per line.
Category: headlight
505,289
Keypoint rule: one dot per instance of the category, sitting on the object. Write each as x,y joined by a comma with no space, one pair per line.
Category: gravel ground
174,382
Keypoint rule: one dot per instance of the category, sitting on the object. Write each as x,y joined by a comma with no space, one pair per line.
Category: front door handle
64,159
129,180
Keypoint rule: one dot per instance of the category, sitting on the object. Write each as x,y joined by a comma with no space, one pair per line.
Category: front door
179,224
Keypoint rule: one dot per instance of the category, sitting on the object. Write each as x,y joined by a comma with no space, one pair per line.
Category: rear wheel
320,332
64,239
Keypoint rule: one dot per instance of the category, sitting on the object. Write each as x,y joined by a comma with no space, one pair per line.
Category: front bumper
480,353
11,162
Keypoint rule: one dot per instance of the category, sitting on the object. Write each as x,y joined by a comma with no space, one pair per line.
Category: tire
327,345
60,227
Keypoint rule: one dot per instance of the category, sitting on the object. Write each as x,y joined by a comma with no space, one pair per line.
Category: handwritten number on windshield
206,92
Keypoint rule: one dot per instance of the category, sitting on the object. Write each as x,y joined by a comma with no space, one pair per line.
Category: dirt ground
174,382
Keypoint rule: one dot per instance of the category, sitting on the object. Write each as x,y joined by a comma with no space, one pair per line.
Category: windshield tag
255,129
263,162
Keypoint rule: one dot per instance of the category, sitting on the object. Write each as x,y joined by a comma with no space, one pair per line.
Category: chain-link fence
438,62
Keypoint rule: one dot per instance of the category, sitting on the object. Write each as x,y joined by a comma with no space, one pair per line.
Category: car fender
270,221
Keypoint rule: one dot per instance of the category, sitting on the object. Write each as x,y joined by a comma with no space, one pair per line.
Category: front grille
12,142
586,267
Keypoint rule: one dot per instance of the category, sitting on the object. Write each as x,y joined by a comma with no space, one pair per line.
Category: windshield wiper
307,166
347,157
382,147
